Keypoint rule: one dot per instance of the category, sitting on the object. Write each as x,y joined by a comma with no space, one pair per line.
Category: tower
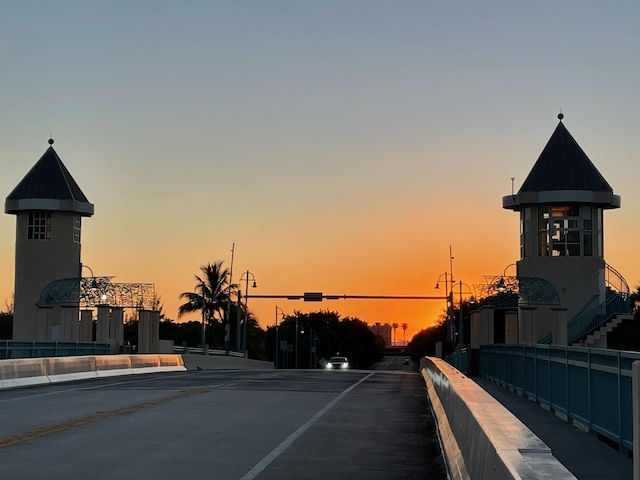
561,205
49,206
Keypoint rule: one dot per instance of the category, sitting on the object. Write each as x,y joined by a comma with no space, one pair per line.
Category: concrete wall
35,371
37,263
480,437
222,362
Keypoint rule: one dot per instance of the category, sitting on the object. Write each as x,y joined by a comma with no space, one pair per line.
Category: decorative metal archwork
92,291
514,292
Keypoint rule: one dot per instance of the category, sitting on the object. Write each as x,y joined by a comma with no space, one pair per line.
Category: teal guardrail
18,349
201,351
588,386
460,360
582,325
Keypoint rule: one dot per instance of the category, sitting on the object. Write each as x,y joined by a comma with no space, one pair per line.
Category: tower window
76,228
39,227
565,231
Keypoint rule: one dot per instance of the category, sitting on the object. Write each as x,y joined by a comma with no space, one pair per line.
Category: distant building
49,206
382,331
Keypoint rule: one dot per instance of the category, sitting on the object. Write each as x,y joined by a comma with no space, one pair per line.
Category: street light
204,305
461,336
277,352
246,276
448,282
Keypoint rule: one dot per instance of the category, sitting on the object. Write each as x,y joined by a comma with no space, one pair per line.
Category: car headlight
345,365
328,366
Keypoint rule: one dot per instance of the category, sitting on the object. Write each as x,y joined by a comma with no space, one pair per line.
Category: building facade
49,207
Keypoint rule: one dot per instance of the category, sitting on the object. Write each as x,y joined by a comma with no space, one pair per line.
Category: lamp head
254,284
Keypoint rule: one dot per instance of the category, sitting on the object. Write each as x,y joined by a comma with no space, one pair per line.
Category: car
337,363
407,361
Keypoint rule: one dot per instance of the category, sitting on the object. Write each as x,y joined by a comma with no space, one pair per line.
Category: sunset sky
342,146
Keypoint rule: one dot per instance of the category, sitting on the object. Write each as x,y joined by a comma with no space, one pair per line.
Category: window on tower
39,227
565,230
76,228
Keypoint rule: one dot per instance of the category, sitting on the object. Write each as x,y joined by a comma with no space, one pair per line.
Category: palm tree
404,332
393,341
212,292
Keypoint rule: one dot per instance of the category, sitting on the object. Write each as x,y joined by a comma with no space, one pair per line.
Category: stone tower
49,206
561,205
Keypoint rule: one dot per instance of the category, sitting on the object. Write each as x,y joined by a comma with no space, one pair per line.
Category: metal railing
617,303
201,351
18,349
588,386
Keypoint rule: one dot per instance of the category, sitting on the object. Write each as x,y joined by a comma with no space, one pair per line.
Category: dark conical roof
563,174
563,165
48,186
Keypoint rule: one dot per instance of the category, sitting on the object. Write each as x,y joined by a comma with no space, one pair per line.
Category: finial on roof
560,116
50,141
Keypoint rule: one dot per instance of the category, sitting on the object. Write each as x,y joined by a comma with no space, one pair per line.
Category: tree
394,325
327,334
627,335
404,333
211,293
424,342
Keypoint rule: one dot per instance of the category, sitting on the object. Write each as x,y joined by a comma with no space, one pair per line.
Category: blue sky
342,146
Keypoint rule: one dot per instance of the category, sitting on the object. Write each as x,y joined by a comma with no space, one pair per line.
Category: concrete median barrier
35,371
480,437
66,369
22,372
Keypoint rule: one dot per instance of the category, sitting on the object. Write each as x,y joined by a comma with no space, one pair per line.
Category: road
237,425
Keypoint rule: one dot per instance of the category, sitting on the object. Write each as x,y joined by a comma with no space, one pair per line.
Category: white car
337,363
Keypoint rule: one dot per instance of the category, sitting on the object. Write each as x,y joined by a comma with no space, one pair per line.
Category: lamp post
277,351
295,348
246,276
88,268
204,308
449,302
461,336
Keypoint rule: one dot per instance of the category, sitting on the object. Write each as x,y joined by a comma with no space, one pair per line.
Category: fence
587,386
201,351
17,349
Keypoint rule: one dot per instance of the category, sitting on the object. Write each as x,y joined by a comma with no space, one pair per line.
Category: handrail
621,286
546,340
616,303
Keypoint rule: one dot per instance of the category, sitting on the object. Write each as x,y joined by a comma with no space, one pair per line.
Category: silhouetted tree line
627,335
6,325
321,335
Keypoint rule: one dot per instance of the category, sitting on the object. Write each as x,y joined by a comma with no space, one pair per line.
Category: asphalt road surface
237,425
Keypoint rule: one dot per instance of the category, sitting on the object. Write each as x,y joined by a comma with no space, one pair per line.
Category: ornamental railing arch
86,292
514,292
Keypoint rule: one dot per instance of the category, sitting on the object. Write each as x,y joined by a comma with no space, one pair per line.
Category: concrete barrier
34,371
223,362
480,437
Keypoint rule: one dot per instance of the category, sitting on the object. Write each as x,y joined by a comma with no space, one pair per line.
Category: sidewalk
583,454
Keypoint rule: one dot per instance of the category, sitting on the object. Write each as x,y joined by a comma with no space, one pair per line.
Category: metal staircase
590,328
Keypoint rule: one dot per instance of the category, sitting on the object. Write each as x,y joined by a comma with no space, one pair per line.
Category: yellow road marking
85,419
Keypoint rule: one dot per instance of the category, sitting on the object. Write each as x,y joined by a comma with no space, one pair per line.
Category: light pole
277,352
449,302
246,276
461,336
295,341
204,308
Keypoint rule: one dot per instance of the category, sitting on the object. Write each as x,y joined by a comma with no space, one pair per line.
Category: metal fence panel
590,386
16,349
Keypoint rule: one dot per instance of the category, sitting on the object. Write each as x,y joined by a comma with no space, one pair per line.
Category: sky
340,147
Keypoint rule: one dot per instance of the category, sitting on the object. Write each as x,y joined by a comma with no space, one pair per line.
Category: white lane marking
275,453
